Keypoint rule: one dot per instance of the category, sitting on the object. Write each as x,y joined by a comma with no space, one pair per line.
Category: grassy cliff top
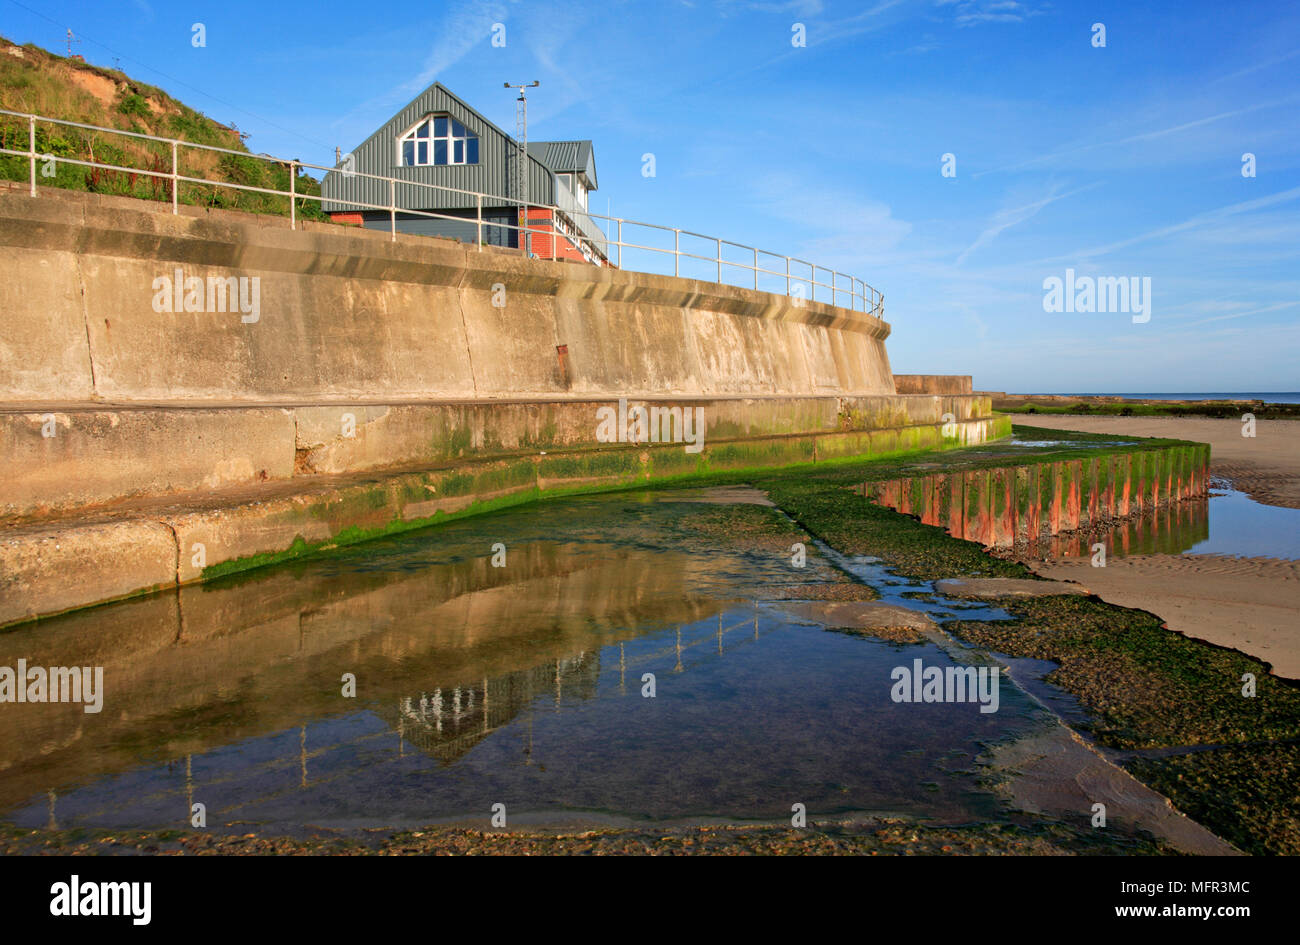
35,81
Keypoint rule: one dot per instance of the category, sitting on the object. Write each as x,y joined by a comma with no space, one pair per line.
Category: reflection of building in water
447,723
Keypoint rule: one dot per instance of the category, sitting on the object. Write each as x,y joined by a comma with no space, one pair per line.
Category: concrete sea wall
1003,506
162,542
933,383
62,460
346,314
183,396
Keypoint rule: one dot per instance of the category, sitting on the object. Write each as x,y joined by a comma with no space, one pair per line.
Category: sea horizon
1274,397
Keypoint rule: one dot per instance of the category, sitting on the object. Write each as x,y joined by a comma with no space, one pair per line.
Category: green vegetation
1143,687
1220,409
41,83
1247,792
1172,706
877,836
355,534
1148,689
744,527
850,524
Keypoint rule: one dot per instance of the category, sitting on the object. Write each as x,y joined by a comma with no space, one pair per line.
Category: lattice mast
521,161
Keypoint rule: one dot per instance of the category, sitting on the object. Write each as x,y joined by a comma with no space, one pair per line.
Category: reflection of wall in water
1167,530
201,667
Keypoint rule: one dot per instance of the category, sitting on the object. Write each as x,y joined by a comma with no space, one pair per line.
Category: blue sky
1117,161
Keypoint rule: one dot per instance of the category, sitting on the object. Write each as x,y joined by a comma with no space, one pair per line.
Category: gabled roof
375,153
463,104
567,157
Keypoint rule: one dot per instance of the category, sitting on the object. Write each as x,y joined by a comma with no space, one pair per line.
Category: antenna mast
521,161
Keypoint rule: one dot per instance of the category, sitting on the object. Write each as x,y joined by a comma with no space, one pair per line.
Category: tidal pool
519,685
1226,522
1241,526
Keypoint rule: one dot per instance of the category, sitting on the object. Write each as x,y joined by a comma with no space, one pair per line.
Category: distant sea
1273,397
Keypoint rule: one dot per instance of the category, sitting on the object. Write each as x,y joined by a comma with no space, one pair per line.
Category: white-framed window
438,139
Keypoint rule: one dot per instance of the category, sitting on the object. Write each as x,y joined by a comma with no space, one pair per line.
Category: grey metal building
437,139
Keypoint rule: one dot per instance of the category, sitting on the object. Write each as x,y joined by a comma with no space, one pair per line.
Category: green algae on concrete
744,527
354,534
1025,495
1247,793
1142,686
874,836
851,525
1148,687
1174,706
786,451
395,504
1218,409
293,527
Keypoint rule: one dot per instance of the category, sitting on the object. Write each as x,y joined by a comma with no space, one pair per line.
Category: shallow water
1227,522
1018,441
519,685
1241,526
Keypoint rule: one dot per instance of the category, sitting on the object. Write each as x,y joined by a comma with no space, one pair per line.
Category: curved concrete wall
376,386
347,314
60,461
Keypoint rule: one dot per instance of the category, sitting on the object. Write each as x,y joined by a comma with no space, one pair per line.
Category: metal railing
791,276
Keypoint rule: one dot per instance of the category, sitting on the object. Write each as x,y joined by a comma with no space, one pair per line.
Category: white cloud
1210,217
1132,139
975,12
1008,217
848,225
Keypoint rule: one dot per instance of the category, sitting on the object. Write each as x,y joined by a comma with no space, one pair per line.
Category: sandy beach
1266,466
1250,604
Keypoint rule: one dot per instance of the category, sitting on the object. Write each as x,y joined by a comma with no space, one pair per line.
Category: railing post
873,301
31,147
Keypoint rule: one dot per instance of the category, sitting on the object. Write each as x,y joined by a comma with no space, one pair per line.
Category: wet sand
1266,466
1250,604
